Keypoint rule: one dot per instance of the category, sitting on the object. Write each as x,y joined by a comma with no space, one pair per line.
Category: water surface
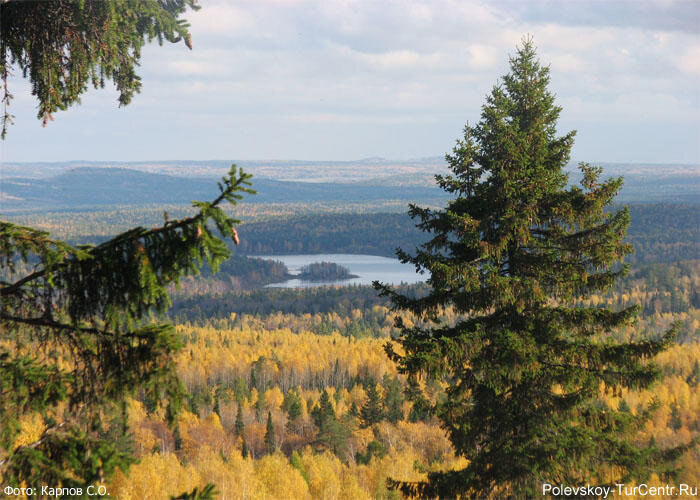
367,268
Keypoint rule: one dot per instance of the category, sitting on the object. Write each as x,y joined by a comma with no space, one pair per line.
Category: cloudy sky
349,79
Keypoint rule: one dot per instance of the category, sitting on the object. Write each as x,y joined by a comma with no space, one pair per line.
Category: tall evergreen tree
324,411
393,399
522,367
292,404
269,435
177,438
371,412
332,434
238,426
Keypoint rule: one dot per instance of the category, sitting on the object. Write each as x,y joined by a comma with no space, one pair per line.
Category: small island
324,271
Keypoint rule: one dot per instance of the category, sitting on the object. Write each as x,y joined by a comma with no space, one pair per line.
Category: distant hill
363,181
99,186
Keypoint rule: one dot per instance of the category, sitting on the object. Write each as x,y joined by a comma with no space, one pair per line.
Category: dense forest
236,273
660,232
306,405
290,394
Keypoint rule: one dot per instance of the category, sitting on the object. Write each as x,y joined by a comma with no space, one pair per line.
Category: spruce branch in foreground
63,47
79,336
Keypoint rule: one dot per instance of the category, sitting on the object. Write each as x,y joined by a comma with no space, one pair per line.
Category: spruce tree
675,420
521,366
371,412
177,438
324,411
238,426
292,404
269,435
393,399
258,408
217,407
332,434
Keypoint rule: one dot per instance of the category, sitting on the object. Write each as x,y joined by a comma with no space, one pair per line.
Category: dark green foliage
250,272
220,395
323,412
393,399
623,406
177,438
510,253
420,411
64,46
65,456
374,449
675,422
194,405
207,493
371,412
244,450
270,444
91,309
668,287
292,405
664,232
295,301
668,292
258,409
660,232
238,426
240,390
373,234
332,434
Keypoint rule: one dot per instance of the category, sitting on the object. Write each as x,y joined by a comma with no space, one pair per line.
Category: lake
367,268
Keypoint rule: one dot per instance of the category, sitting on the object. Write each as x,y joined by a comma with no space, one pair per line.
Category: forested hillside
33,185
290,394
89,186
338,423
306,403
660,232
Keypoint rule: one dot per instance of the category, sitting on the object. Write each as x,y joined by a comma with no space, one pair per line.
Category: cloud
369,66
653,15
348,118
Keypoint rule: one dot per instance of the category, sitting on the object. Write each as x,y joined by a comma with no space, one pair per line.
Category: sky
350,79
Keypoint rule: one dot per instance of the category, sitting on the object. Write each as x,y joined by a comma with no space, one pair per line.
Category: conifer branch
237,183
38,442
